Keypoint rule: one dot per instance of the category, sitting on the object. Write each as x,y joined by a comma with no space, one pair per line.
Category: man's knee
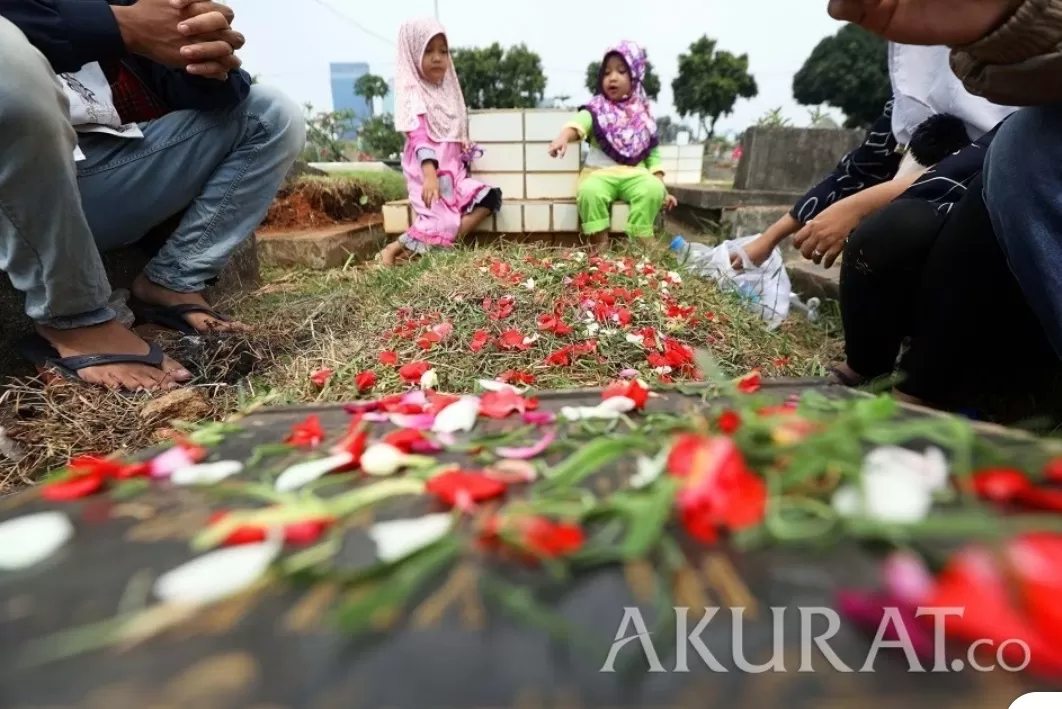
281,118
1024,153
32,106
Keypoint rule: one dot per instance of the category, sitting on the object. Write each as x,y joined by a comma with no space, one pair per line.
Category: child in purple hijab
624,159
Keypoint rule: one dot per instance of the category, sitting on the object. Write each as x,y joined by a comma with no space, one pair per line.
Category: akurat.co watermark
981,656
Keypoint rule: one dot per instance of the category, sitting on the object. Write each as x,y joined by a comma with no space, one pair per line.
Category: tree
710,82
667,129
773,119
849,71
492,77
371,87
325,131
652,81
379,137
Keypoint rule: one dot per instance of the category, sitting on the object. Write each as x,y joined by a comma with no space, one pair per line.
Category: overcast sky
292,48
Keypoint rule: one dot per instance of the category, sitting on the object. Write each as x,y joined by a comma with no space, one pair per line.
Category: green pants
598,189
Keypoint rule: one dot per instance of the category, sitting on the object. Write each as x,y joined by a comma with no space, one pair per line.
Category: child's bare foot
389,256
599,243
114,338
155,295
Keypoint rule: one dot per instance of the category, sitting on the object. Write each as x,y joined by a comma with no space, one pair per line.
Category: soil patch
314,202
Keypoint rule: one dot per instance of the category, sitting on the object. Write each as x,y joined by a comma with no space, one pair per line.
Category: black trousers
975,344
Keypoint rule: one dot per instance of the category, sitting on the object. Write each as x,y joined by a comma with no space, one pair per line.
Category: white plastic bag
765,288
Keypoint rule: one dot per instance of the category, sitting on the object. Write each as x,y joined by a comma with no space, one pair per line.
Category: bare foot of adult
114,338
154,294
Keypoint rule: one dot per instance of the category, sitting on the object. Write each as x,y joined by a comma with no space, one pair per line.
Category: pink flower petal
376,417
512,472
528,451
164,464
427,447
539,418
360,407
418,422
906,577
416,397
629,373
447,439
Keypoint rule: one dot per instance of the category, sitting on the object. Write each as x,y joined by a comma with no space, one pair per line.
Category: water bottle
695,257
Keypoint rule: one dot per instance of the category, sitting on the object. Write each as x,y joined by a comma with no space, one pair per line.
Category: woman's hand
430,193
758,250
822,239
559,147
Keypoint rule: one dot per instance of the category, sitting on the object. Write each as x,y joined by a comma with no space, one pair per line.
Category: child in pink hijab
430,110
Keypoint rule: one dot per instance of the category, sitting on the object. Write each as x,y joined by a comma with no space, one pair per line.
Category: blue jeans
224,167
1023,191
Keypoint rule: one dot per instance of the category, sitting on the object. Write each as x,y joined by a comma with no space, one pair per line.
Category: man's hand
947,22
192,35
822,239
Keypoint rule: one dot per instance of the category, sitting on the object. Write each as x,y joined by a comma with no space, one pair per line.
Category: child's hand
558,148
670,202
430,193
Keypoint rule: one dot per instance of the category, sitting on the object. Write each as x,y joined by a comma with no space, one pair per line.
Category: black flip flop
844,379
40,352
172,317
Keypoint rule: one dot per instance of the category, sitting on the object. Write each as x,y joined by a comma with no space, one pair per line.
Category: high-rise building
343,96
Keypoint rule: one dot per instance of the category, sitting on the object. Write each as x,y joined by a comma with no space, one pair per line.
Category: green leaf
591,458
394,590
369,495
647,514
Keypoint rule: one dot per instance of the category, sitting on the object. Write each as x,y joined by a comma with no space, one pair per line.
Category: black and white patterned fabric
875,161
945,183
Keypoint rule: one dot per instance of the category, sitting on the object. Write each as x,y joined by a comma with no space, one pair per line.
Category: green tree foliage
371,87
849,71
492,77
652,81
324,133
379,137
710,82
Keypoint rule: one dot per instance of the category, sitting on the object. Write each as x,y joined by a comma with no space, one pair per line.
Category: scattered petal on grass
365,380
458,416
306,472
528,452
494,385
629,373
206,473
429,380
512,471
217,574
397,539
321,377
27,541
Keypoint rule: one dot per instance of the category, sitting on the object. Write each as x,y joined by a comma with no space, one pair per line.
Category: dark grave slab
279,648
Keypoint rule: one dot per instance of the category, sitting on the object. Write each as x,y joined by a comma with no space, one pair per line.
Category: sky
293,50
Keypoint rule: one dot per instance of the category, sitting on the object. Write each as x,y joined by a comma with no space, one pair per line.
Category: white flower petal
382,459
649,470
429,380
496,386
206,473
894,497
530,284
635,339
931,467
305,473
397,539
28,540
620,404
218,574
589,413
458,416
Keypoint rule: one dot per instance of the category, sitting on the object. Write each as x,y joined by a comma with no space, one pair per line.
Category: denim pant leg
1023,191
224,167
46,247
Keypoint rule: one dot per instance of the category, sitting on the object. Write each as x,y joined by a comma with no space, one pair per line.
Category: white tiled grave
539,191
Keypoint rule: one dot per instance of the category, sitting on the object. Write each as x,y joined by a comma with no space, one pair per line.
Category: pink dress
459,194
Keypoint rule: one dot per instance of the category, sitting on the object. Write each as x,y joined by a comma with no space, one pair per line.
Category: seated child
430,110
624,160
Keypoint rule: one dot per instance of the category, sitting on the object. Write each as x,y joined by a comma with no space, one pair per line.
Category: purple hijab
625,130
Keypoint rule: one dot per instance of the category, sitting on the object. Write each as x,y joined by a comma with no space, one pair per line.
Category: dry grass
340,320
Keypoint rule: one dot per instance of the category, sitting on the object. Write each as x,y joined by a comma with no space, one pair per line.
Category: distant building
343,96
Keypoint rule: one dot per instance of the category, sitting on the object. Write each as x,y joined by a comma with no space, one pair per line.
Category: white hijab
923,85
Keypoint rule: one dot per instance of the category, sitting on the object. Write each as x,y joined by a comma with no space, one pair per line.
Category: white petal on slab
305,473
589,413
894,497
382,459
619,404
931,467
397,539
206,473
649,470
29,540
218,574
458,416
496,386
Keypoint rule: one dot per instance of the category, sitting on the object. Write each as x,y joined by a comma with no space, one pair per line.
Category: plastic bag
765,289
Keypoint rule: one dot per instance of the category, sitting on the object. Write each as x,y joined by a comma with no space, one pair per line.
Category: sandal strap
153,358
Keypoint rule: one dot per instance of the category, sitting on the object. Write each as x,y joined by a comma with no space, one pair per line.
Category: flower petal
527,452
29,540
206,473
306,472
429,380
397,539
218,574
649,470
458,416
418,422
496,386
165,463
589,413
